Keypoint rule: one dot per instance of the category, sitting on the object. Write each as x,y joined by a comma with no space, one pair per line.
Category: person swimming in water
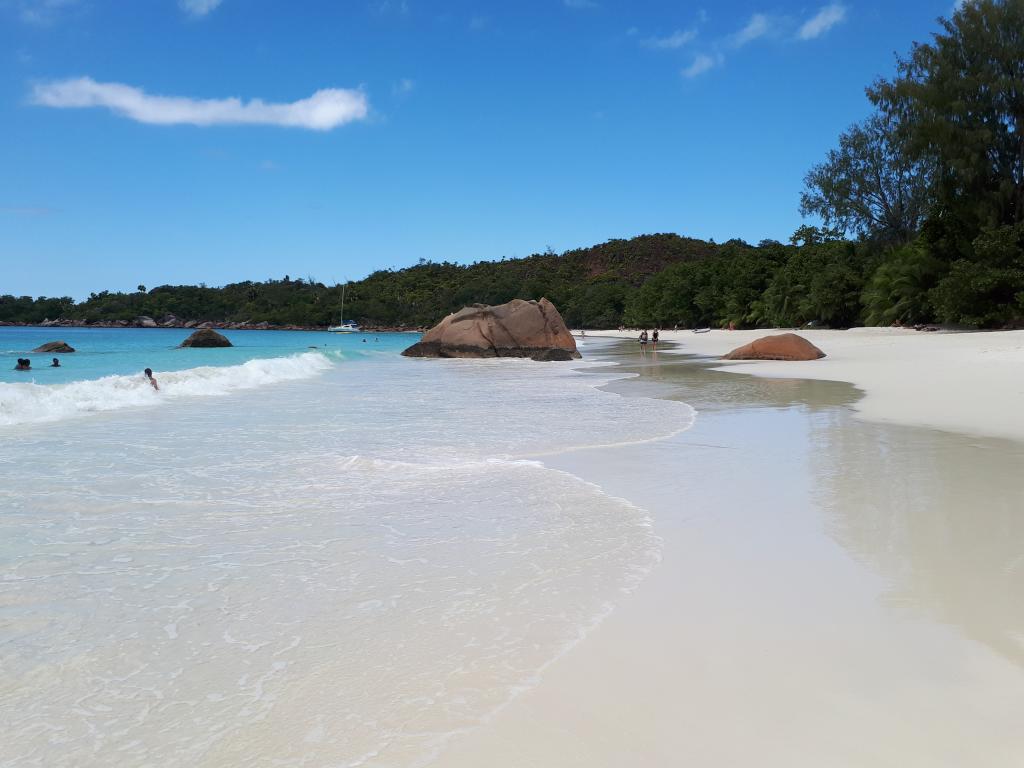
55,363
152,379
24,364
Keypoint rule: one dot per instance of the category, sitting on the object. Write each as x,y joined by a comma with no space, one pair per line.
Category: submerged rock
54,346
206,337
519,328
783,346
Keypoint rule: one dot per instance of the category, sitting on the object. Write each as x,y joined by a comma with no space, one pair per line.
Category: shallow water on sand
344,568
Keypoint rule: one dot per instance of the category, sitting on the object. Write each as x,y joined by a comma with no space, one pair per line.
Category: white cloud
403,86
822,21
198,7
758,26
702,62
324,110
677,39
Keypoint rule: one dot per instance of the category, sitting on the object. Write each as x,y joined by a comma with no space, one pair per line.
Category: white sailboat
342,326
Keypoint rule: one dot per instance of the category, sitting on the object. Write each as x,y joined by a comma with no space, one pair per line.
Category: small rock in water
206,337
54,346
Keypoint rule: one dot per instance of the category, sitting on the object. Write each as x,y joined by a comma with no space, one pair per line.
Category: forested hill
652,280
589,285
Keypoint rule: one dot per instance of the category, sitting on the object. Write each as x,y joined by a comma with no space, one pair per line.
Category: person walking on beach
152,379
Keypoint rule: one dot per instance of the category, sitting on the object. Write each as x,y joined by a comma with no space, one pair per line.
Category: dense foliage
590,286
931,186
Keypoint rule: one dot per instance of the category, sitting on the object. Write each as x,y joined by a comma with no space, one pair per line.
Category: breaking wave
37,403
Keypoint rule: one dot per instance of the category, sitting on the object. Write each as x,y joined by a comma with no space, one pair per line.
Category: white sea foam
341,571
37,403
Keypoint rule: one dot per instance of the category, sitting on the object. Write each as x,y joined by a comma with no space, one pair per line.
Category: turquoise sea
105,371
303,550
125,351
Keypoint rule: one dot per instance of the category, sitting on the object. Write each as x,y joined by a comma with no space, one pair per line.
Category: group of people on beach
644,339
25,364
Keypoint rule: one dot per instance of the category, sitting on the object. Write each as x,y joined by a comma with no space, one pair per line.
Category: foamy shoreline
970,382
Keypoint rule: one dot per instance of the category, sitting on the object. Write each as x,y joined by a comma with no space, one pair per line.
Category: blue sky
187,141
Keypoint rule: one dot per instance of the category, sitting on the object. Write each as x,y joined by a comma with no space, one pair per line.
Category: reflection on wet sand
693,380
939,516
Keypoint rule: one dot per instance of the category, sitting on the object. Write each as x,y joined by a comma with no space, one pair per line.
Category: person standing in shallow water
643,342
654,340
152,379
55,363
24,364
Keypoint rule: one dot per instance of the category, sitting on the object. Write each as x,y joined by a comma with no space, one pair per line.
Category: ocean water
293,556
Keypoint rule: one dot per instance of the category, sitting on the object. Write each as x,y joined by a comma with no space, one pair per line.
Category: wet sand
833,592
967,382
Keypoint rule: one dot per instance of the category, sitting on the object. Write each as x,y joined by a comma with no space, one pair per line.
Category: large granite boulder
142,321
520,328
206,337
59,347
783,346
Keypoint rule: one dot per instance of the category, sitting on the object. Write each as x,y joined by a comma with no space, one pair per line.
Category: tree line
922,220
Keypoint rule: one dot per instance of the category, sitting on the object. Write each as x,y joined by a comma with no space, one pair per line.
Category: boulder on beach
145,322
519,328
54,346
206,337
783,346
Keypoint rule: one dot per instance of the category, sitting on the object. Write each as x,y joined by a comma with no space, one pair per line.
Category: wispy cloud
42,12
400,7
758,26
403,86
702,63
198,8
822,21
324,110
677,39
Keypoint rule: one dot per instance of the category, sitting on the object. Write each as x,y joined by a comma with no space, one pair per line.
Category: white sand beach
961,382
834,591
